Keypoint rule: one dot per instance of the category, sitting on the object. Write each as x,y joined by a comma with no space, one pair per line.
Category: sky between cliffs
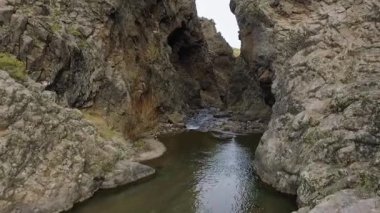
219,10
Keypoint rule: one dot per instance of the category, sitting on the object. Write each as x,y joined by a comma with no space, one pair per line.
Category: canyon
323,137
86,87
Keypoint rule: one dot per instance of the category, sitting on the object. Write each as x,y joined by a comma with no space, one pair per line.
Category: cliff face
221,56
235,78
324,60
316,62
51,157
109,54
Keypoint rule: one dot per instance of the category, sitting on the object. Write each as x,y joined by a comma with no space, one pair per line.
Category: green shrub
15,67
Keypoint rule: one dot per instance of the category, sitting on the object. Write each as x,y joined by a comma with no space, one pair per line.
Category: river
199,173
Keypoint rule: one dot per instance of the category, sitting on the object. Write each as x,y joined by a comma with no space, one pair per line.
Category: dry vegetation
143,117
101,124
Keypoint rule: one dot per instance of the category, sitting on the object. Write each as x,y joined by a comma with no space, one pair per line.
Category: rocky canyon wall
50,156
104,56
317,63
109,54
221,56
322,59
235,78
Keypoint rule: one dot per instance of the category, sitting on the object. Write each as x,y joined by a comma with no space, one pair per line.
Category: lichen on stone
15,67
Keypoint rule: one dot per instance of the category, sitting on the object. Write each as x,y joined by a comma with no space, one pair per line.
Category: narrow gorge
147,97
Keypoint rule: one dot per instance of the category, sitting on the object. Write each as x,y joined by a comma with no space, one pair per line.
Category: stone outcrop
317,63
235,79
51,157
345,201
105,57
107,54
245,96
323,58
221,55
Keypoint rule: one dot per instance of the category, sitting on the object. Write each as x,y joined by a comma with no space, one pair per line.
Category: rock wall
108,54
249,79
51,157
104,55
245,96
324,60
235,78
221,55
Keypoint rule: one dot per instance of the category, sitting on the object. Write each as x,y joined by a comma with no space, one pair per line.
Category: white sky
219,10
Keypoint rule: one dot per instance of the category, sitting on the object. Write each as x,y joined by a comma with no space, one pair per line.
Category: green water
199,173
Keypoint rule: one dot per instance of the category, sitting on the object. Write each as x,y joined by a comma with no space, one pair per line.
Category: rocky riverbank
51,156
116,61
84,83
61,156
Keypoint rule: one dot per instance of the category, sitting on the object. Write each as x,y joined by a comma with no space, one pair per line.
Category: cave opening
185,47
188,58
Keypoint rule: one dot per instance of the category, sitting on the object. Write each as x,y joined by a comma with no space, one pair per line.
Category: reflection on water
222,180
199,173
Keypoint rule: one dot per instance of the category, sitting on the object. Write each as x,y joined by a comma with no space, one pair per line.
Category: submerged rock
323,58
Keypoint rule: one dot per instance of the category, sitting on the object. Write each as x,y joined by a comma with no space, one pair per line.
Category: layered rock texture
236,79
107,58
108,54
245,96
316,62
51,157
323,58
221,56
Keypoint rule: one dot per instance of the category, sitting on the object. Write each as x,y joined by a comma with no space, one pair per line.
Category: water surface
199,173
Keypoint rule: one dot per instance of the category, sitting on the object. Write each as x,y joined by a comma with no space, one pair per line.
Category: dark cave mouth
185,46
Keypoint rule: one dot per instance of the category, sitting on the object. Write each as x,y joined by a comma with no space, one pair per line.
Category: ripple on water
199,173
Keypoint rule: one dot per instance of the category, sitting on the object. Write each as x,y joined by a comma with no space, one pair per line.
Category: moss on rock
15,67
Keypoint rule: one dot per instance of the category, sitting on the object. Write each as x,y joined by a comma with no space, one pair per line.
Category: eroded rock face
324,57
108,53
50,156
104,55
221,55
346,201
245,96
